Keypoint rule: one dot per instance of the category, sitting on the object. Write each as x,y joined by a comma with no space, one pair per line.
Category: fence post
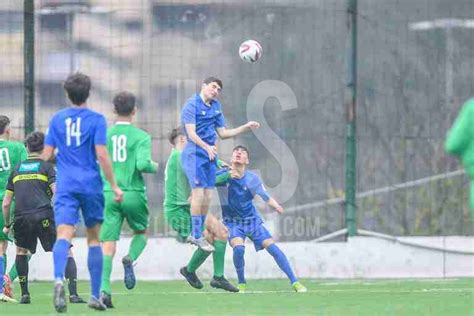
350,104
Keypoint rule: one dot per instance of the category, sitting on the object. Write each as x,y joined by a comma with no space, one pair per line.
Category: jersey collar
122,123
198,96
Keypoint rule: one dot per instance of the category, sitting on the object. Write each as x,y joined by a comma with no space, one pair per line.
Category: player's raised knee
267,243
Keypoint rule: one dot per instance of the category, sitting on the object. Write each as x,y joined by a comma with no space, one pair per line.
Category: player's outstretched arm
144,161
222,164
228,133
106,165
459,135
191,131
222,177
274,204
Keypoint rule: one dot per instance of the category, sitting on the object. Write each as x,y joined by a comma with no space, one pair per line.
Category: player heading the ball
203,120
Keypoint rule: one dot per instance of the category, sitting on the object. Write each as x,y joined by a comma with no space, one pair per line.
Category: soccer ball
250,51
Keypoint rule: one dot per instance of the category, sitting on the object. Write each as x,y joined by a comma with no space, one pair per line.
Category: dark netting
411,84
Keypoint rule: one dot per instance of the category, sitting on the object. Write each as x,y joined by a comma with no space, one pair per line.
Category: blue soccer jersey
75,132
236,197
206,118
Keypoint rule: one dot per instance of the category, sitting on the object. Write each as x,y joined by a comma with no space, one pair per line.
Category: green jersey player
177,213
460,142
11,153
130,150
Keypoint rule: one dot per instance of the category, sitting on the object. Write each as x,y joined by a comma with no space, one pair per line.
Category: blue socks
94,263
2,272
239,262
276,253
282,261
197,221
60,250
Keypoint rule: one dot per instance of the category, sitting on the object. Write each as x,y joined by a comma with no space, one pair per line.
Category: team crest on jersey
29,167
203,113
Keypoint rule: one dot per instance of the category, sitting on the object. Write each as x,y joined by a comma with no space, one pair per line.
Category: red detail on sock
7,286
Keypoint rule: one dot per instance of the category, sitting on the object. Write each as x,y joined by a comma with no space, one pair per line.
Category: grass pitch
271,297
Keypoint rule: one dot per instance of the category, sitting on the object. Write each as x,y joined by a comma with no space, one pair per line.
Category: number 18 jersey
75,132
130,151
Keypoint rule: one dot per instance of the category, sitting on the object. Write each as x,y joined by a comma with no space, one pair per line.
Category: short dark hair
77,87
173,135
124,103
242,147
4,122
208,80
35,142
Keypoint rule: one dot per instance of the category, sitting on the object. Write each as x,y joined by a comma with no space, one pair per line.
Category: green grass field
275,297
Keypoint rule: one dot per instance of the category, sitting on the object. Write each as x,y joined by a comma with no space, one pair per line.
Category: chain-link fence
412,79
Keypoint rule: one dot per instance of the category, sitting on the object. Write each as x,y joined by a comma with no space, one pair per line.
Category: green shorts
179,218
134,208
4,236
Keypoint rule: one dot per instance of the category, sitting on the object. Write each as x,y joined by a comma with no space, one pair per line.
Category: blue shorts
253,230
200,171
67,205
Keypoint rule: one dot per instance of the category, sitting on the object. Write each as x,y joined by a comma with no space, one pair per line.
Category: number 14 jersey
75,132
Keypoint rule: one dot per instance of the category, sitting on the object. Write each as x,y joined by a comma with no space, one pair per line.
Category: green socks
198,258
106,273
218,257
137,245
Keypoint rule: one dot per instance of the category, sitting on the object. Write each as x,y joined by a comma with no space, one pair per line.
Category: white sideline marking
384,282
358,290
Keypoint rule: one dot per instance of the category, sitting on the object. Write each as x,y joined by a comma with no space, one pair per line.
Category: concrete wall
360,257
